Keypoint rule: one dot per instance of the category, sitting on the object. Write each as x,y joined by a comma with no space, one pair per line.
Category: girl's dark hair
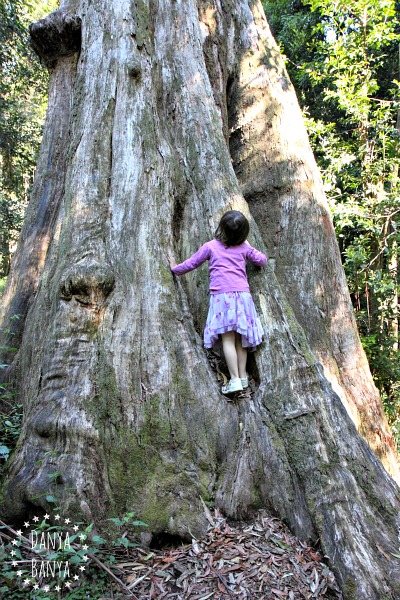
233,228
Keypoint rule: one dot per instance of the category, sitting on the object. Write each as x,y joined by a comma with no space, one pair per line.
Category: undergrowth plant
10,413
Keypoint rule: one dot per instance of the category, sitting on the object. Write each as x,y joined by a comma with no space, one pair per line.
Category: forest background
344,61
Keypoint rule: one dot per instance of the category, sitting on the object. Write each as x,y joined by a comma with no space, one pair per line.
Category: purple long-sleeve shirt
227,266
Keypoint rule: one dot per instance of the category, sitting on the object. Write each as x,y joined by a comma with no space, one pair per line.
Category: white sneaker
245,382
233,385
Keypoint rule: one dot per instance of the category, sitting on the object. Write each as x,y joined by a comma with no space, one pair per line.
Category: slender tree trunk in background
110,368
394,270
5,252
5,243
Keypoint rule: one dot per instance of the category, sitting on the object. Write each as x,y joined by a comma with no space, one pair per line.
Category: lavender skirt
233,311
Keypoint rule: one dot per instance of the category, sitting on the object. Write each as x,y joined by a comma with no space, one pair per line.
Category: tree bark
119,397
279,179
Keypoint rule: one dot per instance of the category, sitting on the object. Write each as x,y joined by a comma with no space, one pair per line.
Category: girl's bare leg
230,353
241,355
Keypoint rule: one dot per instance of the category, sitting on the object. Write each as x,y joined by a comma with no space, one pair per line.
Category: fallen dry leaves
244,561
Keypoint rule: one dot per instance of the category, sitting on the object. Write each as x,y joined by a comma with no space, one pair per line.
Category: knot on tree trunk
58,34
88,282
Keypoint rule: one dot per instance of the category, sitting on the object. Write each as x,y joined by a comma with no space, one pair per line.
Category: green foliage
128,520
343,60
23,100
10,428
3,282
10,417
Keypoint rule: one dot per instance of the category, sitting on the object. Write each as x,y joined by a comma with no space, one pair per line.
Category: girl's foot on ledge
245,381
233,385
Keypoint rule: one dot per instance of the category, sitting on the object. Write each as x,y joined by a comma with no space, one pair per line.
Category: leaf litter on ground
257,560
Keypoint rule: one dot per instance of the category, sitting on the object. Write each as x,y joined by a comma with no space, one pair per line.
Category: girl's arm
256,257
197,259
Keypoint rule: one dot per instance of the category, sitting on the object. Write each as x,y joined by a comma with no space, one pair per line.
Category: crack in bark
298,413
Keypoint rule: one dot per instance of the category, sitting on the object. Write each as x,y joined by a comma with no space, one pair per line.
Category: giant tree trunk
135,164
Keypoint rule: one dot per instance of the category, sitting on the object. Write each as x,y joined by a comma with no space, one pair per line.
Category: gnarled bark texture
119,397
